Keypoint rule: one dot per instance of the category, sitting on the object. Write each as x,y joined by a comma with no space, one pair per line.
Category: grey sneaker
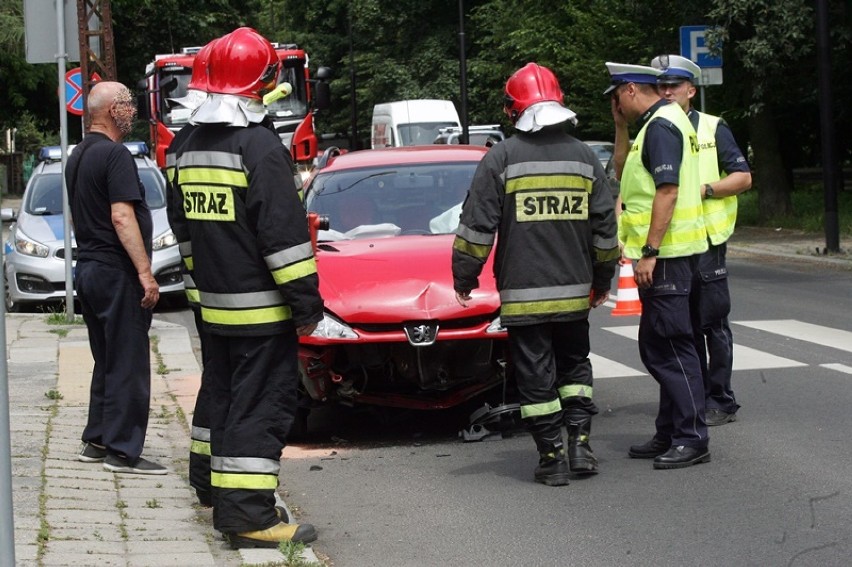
91,453
116,464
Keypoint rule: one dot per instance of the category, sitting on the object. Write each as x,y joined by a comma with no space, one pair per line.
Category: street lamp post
463,76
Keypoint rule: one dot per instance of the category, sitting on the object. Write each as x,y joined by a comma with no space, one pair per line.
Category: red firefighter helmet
241,63
199,67
531,84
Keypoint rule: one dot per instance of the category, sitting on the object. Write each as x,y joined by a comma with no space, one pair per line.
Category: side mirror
324,73
8,215
322,95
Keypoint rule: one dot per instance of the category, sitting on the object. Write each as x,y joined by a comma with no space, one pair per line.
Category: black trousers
199,450
253,382
554,376
668,352
118,326
711,304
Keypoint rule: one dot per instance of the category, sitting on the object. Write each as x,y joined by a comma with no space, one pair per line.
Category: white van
411,122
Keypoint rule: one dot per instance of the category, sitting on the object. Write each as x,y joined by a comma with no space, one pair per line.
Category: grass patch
53,394
61,332
58,317
293,555
809,211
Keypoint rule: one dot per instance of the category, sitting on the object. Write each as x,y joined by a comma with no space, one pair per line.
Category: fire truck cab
167,77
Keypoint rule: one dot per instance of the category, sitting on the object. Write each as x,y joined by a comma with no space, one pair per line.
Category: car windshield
391,200
421,133
44,197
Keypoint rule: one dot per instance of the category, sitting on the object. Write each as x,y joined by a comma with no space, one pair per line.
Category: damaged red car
393,333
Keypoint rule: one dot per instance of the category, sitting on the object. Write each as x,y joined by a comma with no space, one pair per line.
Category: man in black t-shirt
114,282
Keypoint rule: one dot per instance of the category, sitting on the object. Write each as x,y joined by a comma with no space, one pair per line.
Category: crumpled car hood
390,280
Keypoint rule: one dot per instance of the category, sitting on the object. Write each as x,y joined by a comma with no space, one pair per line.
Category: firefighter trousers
253,382
554,376
668,351
199,449
120,394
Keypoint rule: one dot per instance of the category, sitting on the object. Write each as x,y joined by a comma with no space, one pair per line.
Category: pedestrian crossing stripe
839,367
825,336
745,358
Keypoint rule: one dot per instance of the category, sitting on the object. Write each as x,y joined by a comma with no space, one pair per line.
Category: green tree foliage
410,49
27,90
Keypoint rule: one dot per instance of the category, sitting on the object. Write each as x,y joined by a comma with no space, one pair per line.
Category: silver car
35,248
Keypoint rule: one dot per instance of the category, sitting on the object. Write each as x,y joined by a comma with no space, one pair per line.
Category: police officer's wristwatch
708,191
649,251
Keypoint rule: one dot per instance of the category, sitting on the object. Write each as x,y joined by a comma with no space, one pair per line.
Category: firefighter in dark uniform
661,226
718,153
199,450
546,194
254,269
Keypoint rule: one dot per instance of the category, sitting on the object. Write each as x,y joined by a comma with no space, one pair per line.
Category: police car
35,248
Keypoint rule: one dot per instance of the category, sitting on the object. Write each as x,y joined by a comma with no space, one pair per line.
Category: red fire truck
167,76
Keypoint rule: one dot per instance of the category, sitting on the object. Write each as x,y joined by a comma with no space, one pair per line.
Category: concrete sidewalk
71,513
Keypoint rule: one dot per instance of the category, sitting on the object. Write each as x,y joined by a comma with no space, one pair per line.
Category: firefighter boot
552,470
272,537
581,460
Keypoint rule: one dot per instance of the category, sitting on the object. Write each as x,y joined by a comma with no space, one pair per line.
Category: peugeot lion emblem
421,334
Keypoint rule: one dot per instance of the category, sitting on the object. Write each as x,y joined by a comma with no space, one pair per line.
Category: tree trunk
772,179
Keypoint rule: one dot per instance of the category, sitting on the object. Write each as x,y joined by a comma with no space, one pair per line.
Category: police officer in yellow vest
662,227
718,155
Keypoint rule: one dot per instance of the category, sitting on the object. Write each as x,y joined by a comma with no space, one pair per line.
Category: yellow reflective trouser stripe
480,251
541,307
200,447
544,408
192,295
246,316
549,182
245,481
575,391
295,271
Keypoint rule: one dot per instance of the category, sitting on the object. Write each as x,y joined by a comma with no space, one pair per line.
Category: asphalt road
402,489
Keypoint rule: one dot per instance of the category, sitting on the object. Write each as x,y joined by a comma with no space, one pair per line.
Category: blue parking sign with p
693,46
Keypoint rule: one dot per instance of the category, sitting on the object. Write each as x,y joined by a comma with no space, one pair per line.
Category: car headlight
165,240
496,327
29,247
331,328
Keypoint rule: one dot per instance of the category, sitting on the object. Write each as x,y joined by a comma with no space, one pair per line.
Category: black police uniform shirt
729,155
107,174
662,150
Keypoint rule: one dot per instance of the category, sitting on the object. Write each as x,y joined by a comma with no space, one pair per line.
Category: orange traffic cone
627,301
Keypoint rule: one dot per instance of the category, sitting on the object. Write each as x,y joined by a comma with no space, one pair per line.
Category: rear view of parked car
35,247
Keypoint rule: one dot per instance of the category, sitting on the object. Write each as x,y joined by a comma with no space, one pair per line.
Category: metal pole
63,143
829,161
463,77
354,143
7,523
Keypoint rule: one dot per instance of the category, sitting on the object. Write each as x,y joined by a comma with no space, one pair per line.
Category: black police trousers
253,382
120,394
710,301
667,349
